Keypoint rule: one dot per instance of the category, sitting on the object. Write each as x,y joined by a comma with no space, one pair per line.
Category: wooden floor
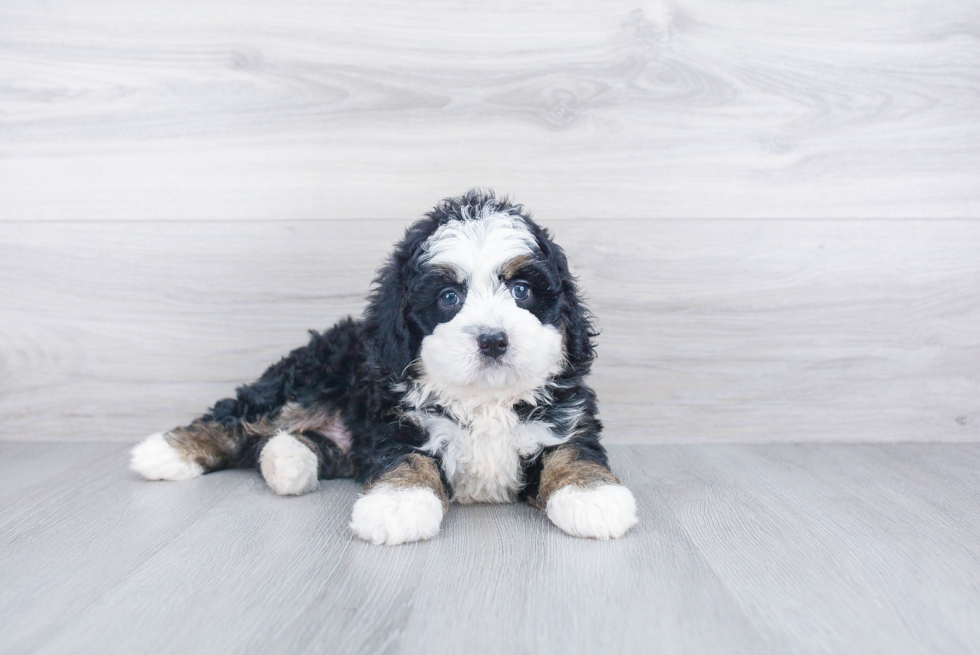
815,548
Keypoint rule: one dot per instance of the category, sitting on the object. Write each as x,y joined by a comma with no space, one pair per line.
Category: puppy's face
488,305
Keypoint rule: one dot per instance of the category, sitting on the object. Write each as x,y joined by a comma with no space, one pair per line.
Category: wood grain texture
627,108
711,330
820,548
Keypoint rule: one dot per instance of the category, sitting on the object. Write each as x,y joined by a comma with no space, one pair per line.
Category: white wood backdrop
773,205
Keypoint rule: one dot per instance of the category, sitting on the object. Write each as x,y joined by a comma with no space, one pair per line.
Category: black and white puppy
464,381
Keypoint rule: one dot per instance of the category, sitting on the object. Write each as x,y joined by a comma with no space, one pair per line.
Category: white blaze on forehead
480,247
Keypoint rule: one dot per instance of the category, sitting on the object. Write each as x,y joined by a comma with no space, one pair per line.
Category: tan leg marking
295,418
206,443
562,467
416,471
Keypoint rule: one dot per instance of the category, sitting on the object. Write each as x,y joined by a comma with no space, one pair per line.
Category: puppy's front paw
603,512
288,466
155,459
390,515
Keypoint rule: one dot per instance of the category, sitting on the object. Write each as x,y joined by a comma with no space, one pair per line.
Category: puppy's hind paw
155,459
389,515
603,512
288,466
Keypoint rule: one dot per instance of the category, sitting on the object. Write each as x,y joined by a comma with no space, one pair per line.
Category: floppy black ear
384,319
579,329
386,316
577,321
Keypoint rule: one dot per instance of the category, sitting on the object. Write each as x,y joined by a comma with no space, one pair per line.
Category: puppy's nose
492,344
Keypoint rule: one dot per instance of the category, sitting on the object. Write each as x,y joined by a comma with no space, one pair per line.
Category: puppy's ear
386,316
576,319
579,330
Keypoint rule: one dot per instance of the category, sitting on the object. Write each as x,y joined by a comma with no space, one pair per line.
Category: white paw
288,466
390,516
155,459
605,512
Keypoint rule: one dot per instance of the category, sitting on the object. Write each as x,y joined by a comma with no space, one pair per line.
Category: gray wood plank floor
817,548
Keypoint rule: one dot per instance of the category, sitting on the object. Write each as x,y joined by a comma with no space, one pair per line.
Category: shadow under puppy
464,381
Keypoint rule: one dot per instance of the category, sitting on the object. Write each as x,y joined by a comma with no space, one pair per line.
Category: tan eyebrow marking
450,271
512,267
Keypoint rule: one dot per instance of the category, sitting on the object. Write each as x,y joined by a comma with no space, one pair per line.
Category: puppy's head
477,300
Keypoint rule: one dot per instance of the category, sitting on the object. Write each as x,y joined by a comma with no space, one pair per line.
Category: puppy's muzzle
493,344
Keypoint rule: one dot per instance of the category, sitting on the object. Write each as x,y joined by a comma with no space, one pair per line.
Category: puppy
464,381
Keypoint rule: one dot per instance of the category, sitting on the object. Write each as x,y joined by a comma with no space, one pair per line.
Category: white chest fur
482,452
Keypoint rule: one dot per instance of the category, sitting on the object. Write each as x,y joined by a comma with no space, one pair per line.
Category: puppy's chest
482,455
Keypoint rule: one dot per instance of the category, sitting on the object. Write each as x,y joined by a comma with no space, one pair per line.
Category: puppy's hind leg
308,443
289,464
185,453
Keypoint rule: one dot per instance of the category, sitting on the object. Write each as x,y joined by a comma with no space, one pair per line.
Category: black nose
492,344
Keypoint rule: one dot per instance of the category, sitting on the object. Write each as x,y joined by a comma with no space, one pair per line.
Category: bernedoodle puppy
464,381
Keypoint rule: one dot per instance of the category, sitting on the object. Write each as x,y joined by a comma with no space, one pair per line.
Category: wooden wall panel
142,110
720,330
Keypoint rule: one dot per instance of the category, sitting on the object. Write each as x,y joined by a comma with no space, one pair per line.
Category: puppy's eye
449,298
520,291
